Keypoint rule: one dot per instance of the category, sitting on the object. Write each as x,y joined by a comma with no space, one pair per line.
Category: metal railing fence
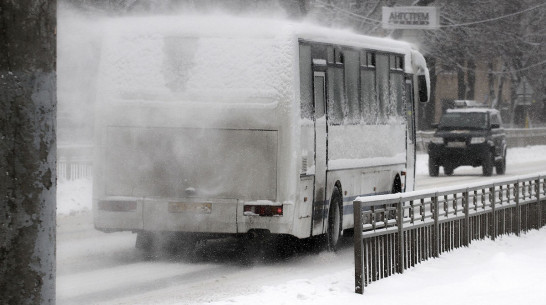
74,161
72,169
401,230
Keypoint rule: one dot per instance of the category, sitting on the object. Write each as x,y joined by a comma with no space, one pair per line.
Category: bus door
319,202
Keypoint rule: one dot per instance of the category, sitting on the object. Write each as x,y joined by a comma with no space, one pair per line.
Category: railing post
401,242
543,183
493,225
466,238
372,217
358,247
436,230
539,204
518,210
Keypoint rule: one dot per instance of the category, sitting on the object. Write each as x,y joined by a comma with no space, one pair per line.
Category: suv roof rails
468,104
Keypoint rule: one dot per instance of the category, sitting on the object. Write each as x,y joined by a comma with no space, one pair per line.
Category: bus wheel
146,244
333,233
396,188
144,241
179,244
396,185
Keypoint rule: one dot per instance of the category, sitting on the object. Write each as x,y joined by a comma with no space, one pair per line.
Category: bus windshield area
463,120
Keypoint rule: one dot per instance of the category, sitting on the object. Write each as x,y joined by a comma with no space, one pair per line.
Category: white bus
209,127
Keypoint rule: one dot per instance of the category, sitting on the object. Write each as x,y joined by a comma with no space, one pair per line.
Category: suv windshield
463,120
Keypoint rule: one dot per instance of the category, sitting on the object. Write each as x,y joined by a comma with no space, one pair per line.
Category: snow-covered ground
74,196
508,271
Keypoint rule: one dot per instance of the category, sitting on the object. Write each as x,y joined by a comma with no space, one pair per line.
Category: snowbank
74,196
508,271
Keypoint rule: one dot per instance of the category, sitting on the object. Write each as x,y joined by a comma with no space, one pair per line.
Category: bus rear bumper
191,216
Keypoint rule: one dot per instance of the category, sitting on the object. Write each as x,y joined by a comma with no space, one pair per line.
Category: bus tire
147,245
396,185
144,241
396,188
334,229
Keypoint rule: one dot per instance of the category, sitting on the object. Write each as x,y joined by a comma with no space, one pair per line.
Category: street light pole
27,151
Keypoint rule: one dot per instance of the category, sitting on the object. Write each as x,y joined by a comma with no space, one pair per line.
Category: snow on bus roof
217,57
251,27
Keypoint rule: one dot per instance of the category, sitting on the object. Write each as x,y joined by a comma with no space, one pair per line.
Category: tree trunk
461,86
491,85
27,151
471,80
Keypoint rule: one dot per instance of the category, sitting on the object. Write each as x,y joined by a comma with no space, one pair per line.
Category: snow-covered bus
217,126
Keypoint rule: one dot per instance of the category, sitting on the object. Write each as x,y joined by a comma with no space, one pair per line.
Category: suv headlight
437,140
477,140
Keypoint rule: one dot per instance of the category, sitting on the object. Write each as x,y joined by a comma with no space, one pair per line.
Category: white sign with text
411,17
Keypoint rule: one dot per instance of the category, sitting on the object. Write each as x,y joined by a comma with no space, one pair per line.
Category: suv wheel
487,164
433,167
500,166
448,170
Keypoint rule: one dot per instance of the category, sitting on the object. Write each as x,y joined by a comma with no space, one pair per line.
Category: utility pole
28,103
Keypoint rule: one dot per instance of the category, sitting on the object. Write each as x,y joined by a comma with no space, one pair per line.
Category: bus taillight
263,210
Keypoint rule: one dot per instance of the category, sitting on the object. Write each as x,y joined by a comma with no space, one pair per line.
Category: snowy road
466,174
99,268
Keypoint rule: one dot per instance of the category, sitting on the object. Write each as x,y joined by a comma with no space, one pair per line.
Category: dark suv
470,136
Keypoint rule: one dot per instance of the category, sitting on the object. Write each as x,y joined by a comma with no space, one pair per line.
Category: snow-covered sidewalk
509,271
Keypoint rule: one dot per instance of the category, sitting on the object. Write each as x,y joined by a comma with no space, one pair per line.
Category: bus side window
397,80
319,83
382,78
370,107
408,102
396,107
336,95
352,68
